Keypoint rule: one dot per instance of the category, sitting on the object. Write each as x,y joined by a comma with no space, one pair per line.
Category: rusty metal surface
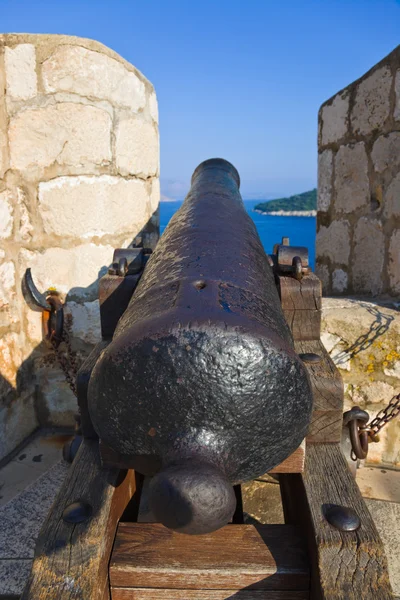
287,253
202,361
115,292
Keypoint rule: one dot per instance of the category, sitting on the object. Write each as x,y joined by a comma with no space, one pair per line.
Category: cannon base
99,551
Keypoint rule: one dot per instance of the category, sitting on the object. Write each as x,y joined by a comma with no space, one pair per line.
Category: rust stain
57,441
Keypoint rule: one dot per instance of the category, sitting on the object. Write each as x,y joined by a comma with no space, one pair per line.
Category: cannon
210,373
201,384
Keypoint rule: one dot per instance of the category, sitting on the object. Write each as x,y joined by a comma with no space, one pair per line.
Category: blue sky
240,79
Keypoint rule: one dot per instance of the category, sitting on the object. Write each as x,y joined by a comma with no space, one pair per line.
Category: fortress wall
358,222
79,176
358,241
362,337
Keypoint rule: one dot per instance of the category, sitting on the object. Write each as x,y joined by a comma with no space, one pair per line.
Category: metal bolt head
342,518
77,512
310,357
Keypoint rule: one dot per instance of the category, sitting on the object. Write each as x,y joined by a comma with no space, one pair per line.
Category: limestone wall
79,166
358,223
363,339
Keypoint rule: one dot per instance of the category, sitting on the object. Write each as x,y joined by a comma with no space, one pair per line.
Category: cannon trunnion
201,383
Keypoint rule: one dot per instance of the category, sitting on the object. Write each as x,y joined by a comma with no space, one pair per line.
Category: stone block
330,340
3,152
153,107
7,283
325,170
93,74
34,329
74,271
387,450
368,333
3,124
17,421
397,93
339,281
334,242
25,228
56,403
394,262
64,134
322,272
367,267
10,361
372,392
85,321
14,574
386,516
386,152
391,198
136,148
6,214
21,78
351,178
22,518
100,206
372,101
155,195
334,119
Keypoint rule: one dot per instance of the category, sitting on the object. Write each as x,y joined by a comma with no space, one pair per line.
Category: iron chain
67,361
383,417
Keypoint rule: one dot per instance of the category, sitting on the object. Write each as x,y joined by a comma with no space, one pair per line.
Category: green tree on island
305,201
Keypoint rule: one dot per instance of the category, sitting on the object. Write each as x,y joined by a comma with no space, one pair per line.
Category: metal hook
32,295
49,303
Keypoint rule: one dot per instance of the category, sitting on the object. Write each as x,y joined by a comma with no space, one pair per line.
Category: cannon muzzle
201,385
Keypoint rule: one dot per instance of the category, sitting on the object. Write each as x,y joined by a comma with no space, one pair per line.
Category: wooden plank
152,594
234,557
71,559
305,294
328,393
304,324
301,305
293,463
346,565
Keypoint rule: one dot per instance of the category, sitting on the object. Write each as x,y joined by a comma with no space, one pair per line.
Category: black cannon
201,385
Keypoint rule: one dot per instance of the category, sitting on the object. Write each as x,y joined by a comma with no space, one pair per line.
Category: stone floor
30,481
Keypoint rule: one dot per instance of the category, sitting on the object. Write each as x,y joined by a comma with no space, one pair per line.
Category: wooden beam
345,565
293,463
151,594
301,305
328,393
71,560
266,557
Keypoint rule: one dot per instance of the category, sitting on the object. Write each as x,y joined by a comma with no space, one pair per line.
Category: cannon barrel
201,385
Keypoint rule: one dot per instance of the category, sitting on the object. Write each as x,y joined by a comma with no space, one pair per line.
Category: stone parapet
79,176
359,185
363,339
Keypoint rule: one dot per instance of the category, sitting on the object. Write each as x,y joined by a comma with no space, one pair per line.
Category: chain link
383,417
67,360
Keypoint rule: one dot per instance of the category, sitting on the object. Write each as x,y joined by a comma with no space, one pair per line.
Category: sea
300,230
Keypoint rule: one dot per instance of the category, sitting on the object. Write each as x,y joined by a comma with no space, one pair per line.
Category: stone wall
358,223
79,164
363,339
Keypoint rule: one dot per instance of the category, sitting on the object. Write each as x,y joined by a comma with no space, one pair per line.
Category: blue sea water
300,230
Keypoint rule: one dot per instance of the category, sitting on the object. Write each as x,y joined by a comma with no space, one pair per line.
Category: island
299,205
